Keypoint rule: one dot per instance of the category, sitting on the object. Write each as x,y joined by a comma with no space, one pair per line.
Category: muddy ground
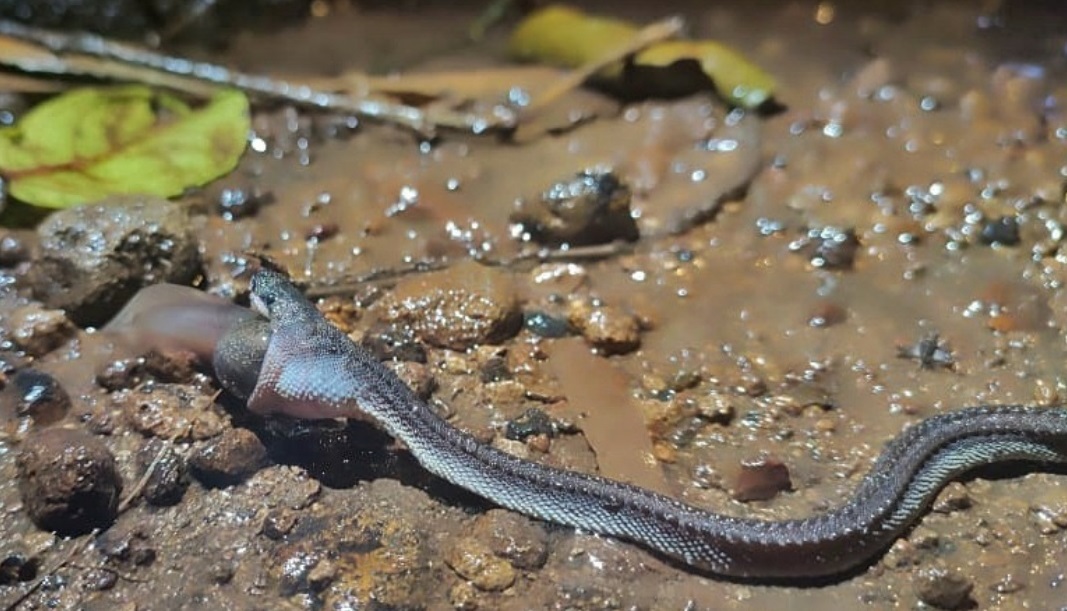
808,282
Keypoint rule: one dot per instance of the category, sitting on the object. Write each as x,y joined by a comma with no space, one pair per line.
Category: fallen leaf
88,144
564,36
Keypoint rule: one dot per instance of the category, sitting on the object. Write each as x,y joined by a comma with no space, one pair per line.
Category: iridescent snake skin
296,363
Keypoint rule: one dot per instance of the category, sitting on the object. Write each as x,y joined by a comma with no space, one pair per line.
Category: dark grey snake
296,363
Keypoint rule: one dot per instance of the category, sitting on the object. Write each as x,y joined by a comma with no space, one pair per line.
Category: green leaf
89,144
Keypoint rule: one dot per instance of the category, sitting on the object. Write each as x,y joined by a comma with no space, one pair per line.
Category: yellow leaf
563,36
88,144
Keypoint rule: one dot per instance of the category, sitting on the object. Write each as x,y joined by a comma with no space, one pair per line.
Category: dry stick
541,255
648,35
142,63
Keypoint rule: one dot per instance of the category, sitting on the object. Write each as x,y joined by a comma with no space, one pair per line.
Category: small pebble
606,328
954,497
827,314
12,250
40,396
474,561
239,202
591,208
278,524
127,544
418,377
520,540
542,324
463,596
99,580
38,331
533,421
761,479
495,369
17,567
170,473
943,589
229,458
1003,231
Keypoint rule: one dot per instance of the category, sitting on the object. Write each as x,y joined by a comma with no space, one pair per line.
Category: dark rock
239,202
229,458
121,373
169,478
12,250
39,396
953,497
94,258
136,19
1003,231
533,421
495,369
68,481
591,208
16,567
545,325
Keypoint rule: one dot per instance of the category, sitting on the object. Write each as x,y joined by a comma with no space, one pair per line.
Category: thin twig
125,503
542,255
92,55
648,35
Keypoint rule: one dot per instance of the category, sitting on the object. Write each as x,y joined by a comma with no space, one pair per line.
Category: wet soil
887,247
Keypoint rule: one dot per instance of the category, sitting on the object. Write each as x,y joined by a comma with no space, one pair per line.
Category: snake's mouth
259,305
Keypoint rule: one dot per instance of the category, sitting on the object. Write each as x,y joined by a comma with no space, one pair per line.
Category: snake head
275,297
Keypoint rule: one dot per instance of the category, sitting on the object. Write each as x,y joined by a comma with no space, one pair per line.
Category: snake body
310,369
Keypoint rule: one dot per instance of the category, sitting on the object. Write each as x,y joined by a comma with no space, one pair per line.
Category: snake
284,358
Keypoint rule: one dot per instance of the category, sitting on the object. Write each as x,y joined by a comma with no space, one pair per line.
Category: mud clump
68,481
94,258
457,308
